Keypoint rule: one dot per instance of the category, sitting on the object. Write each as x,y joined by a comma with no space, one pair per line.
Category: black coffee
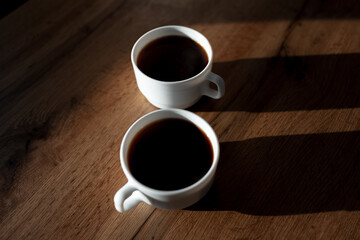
172,58
170,154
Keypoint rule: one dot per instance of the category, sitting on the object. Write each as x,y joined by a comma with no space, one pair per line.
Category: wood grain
288,125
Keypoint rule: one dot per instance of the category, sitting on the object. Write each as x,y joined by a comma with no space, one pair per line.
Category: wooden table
288,124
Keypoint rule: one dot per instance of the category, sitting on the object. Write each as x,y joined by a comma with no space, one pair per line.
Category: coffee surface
170,154
172,58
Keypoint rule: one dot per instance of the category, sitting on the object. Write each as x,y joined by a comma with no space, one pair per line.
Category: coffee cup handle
220,84
128,197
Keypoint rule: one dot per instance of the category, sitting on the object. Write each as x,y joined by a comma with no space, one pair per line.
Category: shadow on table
287,83
212,11
287,175
7,6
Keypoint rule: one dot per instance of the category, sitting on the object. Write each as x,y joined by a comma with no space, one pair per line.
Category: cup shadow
287,83
287,175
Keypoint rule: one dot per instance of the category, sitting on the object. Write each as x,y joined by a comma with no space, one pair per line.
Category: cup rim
209,54
142,187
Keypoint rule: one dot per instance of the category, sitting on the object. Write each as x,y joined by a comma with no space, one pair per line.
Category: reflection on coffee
172,58
170,154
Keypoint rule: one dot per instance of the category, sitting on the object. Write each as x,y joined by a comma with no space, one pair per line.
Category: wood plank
75,182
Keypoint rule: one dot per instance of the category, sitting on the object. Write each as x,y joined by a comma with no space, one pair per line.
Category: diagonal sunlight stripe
263,38
240,125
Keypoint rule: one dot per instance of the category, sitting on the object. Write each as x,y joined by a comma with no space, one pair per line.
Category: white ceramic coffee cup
134,192
178,94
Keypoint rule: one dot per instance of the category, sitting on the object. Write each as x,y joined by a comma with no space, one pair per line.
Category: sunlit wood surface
288,125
